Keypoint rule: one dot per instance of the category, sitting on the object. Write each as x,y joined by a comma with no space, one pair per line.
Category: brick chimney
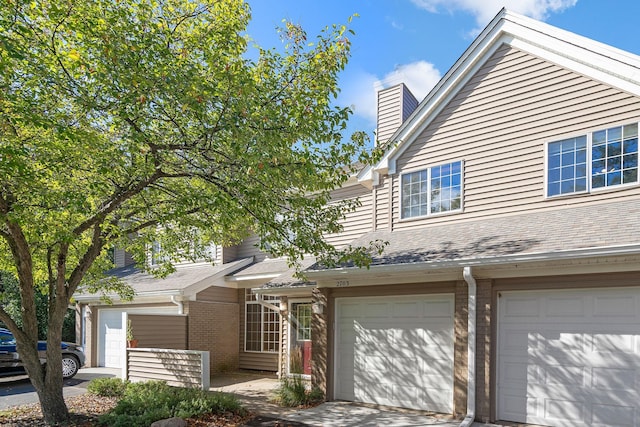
395,104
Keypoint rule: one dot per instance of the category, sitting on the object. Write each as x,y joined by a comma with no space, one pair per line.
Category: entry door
396,351
300,338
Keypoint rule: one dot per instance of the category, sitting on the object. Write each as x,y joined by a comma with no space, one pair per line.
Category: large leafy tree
122,118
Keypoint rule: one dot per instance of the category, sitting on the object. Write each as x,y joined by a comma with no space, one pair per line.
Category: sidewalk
255,391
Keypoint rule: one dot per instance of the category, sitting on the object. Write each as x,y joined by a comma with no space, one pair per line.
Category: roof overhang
290,291
139,298
169,295
430,271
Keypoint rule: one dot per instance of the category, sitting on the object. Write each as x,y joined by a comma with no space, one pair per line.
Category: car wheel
70,366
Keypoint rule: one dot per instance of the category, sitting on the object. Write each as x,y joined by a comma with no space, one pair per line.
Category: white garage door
112,337
569,358
396,351
112,334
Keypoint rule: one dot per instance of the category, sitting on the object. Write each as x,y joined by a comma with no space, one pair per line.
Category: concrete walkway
255,391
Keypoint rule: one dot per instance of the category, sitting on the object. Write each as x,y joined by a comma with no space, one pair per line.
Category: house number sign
341,283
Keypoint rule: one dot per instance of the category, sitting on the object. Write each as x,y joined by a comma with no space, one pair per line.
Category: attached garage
112,332
395,351
569,358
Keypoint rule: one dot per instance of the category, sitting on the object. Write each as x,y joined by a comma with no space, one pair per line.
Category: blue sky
417,41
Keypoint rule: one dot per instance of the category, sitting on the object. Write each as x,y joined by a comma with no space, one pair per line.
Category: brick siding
214,327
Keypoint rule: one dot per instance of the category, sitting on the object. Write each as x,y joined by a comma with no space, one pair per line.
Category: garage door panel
615,343
564,307
615,306
568,368
613,379
402,351
624,415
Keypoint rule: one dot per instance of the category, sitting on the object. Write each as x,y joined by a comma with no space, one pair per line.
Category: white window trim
213,250
262,308
589,189
429,213
290,332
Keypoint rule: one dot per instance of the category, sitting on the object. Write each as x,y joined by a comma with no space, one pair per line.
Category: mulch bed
86,409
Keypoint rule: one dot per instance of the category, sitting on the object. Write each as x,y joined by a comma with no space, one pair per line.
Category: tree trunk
54,409
47,380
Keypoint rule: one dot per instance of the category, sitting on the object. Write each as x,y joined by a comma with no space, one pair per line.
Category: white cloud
420,77
361,93
485,10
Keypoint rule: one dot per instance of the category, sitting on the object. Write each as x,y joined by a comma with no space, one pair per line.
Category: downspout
471,348
178,303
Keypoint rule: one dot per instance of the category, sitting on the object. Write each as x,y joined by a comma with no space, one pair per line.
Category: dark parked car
72,355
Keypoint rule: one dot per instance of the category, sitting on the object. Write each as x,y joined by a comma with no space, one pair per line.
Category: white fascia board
488,261
249,277
139,298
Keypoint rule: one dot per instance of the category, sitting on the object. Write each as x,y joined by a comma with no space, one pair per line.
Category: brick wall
483,350
460,349
214,327
319,334
91,357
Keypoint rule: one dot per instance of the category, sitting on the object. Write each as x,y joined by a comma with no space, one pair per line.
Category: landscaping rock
170,422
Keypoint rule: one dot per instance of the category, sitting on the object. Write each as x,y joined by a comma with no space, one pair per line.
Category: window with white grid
262,325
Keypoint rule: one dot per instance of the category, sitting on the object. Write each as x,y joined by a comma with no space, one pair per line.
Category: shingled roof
588,227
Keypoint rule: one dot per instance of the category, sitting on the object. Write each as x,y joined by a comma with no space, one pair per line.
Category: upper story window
159,256
433,190
605,158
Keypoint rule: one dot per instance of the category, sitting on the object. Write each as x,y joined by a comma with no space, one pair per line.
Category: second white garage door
396,351
570,358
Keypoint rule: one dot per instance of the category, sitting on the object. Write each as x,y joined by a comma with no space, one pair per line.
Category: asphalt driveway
17,390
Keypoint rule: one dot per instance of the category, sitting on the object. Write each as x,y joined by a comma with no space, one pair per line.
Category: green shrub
293,392
108,387
144,403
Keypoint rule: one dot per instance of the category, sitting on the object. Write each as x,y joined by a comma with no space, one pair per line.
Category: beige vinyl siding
122,258
159,331
218,294
176,368
382,204
357,222
248,359
499,123
248,248
389,115
118,257
228,254
395,104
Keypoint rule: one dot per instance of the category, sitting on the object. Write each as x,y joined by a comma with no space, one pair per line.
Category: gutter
95,298
581,253
471,348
